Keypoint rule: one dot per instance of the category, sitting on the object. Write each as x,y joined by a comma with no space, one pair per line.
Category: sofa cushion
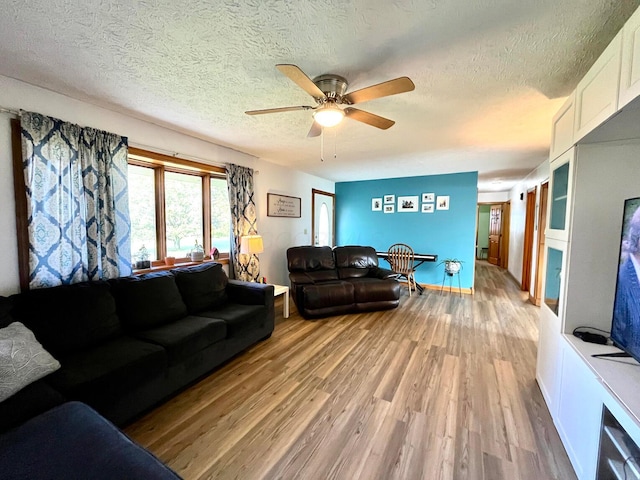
355,261
328,294
374,290
202,286
147,301
238,317
106,371
69,317
304,259
73,441
186,336
22,359
5,307
32,400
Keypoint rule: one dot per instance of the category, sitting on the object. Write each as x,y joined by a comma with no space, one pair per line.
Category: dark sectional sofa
326,281
126,344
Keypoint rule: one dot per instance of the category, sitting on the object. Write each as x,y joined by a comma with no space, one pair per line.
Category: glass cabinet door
554,276
560,196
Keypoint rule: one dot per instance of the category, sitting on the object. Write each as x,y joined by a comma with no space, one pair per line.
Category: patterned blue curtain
243,222
77,201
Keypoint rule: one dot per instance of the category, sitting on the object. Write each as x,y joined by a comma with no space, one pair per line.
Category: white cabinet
630,70
562,128
597,92
549,358
560,190
579,412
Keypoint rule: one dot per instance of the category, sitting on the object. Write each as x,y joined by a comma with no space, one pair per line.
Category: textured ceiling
489,74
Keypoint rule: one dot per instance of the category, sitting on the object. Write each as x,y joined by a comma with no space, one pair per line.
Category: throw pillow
22,359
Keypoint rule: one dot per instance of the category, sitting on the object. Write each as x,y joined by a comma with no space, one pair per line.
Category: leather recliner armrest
300,278
383,273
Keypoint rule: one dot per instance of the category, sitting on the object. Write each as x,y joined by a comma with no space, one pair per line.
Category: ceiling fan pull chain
322,145
335,143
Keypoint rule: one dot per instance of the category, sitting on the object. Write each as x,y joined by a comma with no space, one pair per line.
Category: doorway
323,222
529,227
492,234
542,223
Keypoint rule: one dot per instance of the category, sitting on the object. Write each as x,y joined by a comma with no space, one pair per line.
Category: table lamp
251,244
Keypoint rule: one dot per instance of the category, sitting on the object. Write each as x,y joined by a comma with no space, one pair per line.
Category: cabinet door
597,92
630,70
549,358
562,128
579,412
560,194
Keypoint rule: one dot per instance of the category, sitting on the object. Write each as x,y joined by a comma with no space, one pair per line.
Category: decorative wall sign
389,208
442,203
283,206
376,204
389,199
408,204
428,197
427,207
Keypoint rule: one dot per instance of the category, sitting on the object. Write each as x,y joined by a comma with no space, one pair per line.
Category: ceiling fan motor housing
333,86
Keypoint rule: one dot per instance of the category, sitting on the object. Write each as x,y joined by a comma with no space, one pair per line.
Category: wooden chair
401,259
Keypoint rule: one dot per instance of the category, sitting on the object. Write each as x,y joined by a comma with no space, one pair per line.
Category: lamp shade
328,115
250,244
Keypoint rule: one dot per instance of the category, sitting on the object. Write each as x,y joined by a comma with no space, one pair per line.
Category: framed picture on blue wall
389,199
443,202
408,204
428,197
389,208
376,204
427,207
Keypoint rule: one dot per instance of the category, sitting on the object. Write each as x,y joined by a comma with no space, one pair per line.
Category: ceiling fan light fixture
328,115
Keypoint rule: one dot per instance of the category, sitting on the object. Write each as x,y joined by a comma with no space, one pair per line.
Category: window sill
161,266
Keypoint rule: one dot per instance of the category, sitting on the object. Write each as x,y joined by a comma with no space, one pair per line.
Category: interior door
323,225
495,227
542,222
527,253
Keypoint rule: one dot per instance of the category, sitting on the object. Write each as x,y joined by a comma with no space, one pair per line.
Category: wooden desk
419,259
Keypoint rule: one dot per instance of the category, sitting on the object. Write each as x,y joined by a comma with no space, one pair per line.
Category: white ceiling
489,74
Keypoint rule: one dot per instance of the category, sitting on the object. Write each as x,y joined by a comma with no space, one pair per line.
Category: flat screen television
625,326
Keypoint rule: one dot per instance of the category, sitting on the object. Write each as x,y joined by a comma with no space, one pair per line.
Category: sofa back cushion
203,287
5,308
149,300
355,261
68,317
306,259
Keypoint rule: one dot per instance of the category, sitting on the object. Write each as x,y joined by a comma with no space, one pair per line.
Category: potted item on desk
142,258
197,253
451,266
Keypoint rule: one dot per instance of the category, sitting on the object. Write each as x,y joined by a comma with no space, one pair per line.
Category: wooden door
495,229
527,253
504,235
542,222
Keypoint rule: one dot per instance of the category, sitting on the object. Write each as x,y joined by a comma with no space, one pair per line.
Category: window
169,200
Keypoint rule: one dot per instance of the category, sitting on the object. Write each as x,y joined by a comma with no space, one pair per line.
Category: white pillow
22,359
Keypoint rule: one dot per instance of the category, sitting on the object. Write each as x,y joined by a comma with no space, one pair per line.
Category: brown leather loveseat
327,282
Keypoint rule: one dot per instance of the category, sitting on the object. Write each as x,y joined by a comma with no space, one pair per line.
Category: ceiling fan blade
384,89
368,118
301,79
315,131
277,110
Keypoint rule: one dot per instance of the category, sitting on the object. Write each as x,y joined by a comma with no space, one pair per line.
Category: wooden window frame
161,164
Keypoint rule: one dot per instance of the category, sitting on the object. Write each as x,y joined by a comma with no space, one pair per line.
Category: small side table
283,290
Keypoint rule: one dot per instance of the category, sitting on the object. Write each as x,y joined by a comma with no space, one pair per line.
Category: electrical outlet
305,231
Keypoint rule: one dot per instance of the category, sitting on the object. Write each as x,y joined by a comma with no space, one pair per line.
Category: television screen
625,327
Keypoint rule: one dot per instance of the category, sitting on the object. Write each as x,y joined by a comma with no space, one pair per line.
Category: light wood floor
442,387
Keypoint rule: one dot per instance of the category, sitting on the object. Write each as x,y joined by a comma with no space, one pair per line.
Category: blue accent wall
446,233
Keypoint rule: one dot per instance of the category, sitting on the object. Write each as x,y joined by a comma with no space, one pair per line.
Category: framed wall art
427,207
389,199
428,197
376,204
442,203
408,204
389,208
283,206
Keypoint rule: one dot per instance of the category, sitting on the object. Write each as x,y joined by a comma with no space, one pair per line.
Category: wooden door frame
536,298
503,261
527,248
313,214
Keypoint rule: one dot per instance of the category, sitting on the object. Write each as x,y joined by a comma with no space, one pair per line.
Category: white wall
518,217
279,233
493,197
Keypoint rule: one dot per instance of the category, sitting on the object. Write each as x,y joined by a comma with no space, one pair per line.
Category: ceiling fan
329,92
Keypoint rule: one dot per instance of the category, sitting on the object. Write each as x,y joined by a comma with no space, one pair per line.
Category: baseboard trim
429,286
